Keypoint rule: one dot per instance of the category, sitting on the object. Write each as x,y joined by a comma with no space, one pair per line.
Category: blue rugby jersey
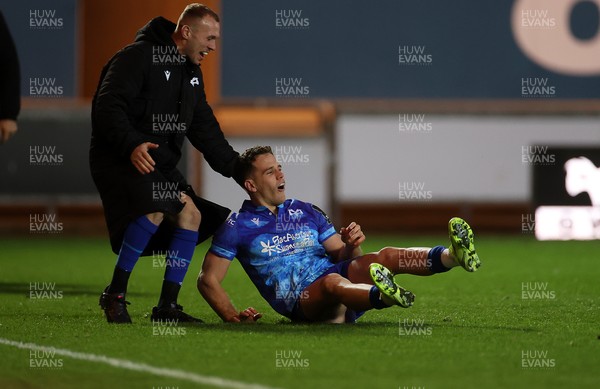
282,254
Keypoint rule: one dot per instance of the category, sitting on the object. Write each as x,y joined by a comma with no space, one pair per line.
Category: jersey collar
249,207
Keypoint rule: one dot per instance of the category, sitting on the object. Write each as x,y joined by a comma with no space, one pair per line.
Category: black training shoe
114,306
172,312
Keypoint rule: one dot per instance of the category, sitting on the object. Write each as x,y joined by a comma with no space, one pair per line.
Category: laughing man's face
267,181
200,37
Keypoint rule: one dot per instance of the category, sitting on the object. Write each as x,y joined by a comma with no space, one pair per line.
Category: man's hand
141,159
249,315
8,127
352,235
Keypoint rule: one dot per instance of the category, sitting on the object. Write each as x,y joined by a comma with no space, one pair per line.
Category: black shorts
126,195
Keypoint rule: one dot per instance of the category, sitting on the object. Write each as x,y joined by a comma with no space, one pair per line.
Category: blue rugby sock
435,260
136,238
179,255
375,298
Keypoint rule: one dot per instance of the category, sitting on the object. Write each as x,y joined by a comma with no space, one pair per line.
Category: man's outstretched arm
210,278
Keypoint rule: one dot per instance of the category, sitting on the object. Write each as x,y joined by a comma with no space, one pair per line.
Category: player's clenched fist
141,159
352,235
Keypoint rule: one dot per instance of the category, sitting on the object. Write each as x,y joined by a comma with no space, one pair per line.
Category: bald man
149,98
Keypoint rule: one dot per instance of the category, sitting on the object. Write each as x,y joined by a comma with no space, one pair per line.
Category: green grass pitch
529,318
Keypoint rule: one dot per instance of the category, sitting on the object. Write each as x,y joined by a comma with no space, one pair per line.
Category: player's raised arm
210,278
346,244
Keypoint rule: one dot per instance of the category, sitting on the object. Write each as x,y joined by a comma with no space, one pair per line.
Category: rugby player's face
268,181
200,38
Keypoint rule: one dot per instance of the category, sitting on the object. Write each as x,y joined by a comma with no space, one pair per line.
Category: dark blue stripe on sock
136,238
435,260
125,244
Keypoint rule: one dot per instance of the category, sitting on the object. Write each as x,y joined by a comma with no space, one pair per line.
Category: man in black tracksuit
151,96
10,80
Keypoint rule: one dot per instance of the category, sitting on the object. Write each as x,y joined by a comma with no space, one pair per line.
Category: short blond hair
197,10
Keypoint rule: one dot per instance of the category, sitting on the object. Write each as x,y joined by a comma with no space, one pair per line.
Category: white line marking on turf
136,366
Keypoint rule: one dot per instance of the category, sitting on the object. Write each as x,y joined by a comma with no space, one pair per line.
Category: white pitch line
136,366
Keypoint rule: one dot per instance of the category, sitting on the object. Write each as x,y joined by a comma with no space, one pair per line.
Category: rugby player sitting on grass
304,269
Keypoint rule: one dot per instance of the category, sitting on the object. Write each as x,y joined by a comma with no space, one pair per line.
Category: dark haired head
243,167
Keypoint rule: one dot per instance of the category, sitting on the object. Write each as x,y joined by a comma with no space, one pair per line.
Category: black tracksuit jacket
144,90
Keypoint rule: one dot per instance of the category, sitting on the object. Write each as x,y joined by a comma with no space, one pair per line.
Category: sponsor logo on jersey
288,243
